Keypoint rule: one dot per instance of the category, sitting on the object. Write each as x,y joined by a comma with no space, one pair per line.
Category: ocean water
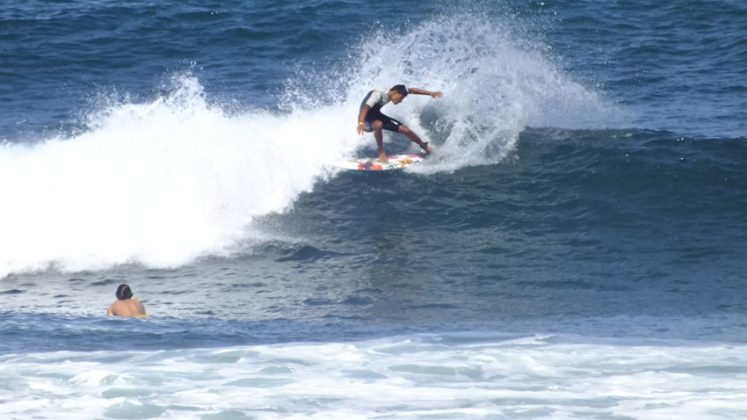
574,249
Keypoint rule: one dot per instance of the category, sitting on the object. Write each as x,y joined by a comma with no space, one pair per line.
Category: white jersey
376,99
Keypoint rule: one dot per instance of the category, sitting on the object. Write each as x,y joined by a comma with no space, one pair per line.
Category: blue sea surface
573,249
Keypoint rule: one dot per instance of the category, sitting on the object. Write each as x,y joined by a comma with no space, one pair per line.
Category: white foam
404,377
158,183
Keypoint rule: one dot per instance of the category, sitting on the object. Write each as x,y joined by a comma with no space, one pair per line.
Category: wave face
162,182
580,227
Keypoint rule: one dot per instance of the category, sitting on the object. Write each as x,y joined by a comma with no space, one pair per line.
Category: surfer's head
397,93
124,292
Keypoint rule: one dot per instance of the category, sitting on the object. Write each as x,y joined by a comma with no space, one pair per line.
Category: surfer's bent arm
418,91
362,118
374,98
362,115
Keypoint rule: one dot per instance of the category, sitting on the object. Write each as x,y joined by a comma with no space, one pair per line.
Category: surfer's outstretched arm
418,91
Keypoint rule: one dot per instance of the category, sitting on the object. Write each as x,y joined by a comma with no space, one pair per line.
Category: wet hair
402,89
124,292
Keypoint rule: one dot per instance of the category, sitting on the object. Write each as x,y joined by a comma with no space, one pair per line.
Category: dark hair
124,292
402,89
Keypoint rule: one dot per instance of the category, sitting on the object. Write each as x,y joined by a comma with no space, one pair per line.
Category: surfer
370,117
126,305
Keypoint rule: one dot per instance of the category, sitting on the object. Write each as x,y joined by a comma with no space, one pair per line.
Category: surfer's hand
437,94
360,129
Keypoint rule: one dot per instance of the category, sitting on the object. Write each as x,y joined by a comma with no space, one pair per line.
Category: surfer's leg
404,130
395,125
378,126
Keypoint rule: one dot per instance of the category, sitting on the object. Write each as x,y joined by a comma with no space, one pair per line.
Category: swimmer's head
124,292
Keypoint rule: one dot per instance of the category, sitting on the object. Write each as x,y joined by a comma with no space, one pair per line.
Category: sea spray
496,83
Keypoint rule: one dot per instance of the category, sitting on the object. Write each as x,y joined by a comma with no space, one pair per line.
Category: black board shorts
374,114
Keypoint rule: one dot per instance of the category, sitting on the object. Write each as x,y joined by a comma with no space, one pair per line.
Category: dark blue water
589,180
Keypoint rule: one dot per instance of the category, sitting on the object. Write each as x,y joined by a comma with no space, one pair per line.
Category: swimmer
126,305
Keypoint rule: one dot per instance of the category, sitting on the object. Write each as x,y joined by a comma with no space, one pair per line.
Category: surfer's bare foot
383,157
427,148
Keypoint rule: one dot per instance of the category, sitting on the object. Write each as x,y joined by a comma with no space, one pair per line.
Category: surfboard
374,164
